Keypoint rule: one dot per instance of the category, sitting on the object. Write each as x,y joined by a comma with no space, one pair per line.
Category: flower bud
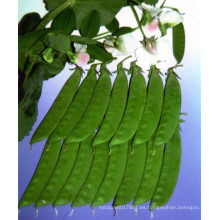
171,18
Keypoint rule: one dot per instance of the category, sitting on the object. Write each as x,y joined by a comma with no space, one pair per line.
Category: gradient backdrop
185,203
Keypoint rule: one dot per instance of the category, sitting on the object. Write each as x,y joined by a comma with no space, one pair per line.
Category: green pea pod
78,175
59,107
151,174
90,187
42,173
171,110
134,109
114,175
178,42
96,109
115,109
153,108
60,174
169,172
133,175
77,108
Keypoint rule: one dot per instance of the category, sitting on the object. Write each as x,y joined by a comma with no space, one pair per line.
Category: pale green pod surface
169,172
79,173
60,174
58,108
115,109
96,109
42,173
133,175
114,175
90,187
151,174
153,108
78,106
171,110
134,109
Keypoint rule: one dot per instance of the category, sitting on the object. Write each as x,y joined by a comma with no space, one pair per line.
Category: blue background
188,188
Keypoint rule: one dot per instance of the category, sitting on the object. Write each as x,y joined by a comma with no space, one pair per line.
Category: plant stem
162,4
137,2
52,14
99,35
137,19
99,38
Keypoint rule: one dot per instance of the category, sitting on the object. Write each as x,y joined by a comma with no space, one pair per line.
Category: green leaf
113,25
52,69
178,42
29,43
28,102
151,2
59,42
122,31
90,24
107,9
82,40
65,22
98,52
28,23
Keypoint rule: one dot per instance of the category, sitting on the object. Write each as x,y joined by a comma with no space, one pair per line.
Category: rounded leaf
90,24
65,22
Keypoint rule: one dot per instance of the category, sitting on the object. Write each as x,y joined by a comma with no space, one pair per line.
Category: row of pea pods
120,143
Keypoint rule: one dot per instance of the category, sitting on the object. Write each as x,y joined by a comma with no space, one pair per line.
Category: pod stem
125,59
103,65
135,67
170,70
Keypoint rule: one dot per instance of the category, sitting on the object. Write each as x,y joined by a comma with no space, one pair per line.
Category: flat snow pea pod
115,109
171,109
95,177
151,174
79,173
169,172
42,173
134,109
153,108
96,109
132,176
78,106
59,107
60,174
114,175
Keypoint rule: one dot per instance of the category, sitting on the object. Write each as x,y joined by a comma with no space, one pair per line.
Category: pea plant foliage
107,134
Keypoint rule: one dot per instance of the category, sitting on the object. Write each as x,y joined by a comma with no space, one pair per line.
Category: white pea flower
154,12
80,48
126,44
80,57
122,45
152,29
155,52
158,17
109,46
